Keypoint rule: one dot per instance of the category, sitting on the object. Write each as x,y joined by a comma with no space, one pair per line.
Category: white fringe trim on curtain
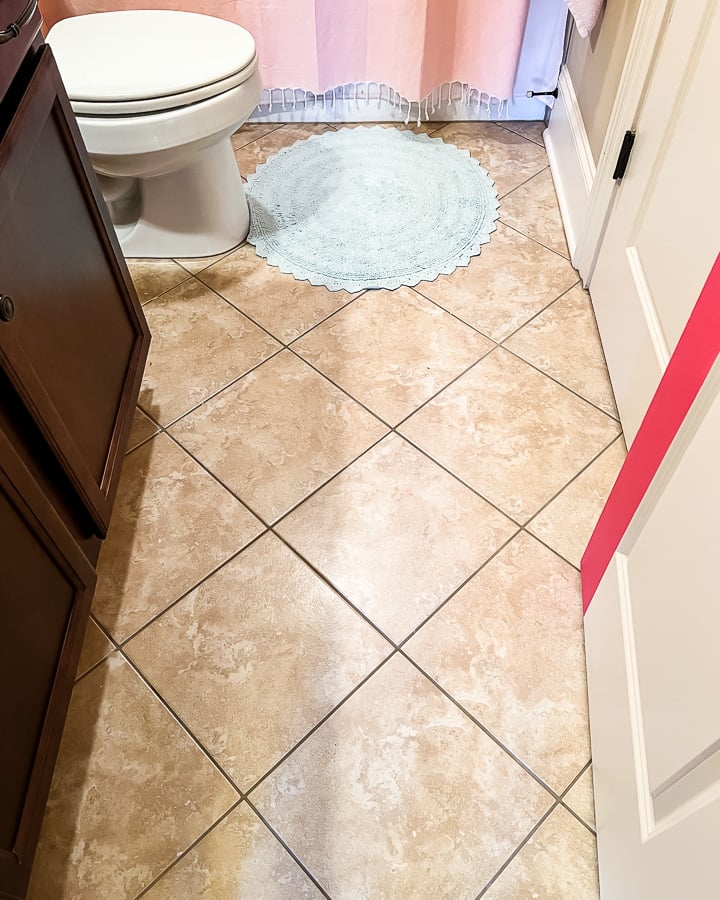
276,99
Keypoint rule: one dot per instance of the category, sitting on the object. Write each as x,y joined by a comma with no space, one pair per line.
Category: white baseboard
571,161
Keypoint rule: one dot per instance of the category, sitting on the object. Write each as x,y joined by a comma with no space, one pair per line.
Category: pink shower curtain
413,46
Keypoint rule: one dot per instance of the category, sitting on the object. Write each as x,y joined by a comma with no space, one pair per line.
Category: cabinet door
76,343
46,586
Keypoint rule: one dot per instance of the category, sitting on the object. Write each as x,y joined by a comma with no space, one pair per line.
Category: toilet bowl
157,94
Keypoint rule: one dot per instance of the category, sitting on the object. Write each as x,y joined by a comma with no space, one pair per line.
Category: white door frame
636,74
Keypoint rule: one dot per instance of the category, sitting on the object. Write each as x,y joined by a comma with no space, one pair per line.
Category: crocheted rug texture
373,207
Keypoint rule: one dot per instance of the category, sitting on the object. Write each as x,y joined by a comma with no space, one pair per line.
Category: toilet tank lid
141,54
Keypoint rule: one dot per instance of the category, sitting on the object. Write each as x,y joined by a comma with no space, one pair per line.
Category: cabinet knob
7,308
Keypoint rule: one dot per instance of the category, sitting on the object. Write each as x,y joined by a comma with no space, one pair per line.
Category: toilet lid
145,54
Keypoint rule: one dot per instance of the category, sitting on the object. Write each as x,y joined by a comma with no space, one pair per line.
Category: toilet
157,95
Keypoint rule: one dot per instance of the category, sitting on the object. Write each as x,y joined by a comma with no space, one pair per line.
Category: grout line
516,851
574,478
216,258
523,765
320,723
579,818
539,143
336,590
561,383
125,641
281,518
575,780
444,388
522,184
456,591
286,344
565,804
272,126
95,665
146,303
188,849
290,851
183,725
534,239
454,315
457,478
485,334
551,549
539,312
213,395
144,440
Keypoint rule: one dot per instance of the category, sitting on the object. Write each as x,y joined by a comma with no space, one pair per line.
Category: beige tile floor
336,648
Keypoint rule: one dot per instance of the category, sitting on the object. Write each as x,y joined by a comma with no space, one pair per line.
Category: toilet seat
134,62
162,104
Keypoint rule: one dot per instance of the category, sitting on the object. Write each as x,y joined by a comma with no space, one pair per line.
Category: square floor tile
559,862
531,131
171,526
400,795
507,284
94,649
256,656
278,434
580,798
200,343
509,158
142,429
240,858
564,342
392,350
131,791
509,648
152,277
533,209
511,433
396,535
249,157
281,304
567,523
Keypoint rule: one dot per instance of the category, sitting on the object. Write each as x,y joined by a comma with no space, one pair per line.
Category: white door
652,634
663,230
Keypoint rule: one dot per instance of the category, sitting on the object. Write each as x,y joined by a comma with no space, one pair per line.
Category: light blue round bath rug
370,208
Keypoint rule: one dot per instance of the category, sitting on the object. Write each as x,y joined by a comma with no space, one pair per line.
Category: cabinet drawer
74,340
46,587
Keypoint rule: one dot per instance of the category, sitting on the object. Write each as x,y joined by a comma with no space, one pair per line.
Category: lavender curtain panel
412,46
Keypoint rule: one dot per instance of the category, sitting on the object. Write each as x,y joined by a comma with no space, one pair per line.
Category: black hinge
624,156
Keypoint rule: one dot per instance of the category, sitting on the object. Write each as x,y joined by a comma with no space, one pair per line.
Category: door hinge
624,155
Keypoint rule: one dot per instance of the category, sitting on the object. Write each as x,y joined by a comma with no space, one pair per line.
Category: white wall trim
571,161
631,91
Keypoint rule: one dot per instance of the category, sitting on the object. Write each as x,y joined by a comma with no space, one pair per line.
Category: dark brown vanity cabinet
73,344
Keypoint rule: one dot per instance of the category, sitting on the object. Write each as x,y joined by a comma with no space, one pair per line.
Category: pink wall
413,46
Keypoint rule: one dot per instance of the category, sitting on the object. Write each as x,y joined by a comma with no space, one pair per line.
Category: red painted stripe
693,358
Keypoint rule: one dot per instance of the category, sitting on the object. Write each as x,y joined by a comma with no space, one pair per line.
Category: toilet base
199,210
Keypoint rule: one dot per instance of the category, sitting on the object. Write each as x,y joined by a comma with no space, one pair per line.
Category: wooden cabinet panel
76,342
73,343
46,588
